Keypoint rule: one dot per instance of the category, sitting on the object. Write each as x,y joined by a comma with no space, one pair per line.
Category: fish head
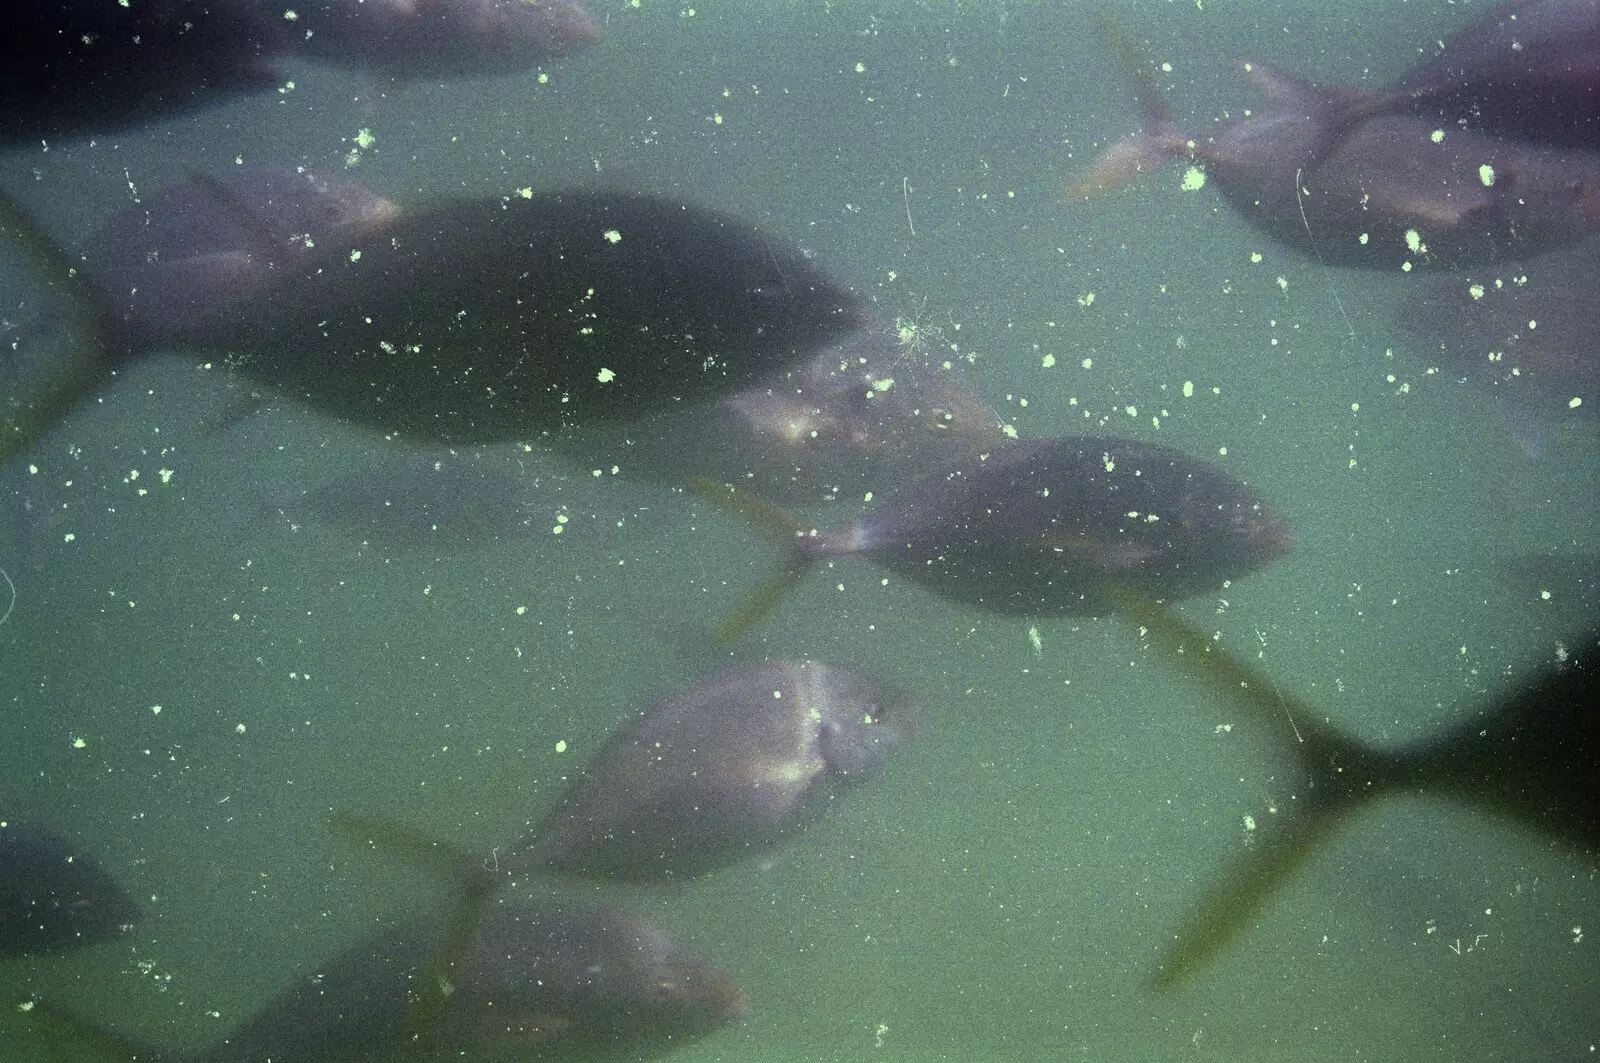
861,723
345,212
1250,531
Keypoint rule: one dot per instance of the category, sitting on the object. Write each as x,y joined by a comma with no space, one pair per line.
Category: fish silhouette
720,772
539,979
412,39
75,67
200,245
1523,331
54,896
482,321
1533,757
1526,70
1041,527
1328,172
866,413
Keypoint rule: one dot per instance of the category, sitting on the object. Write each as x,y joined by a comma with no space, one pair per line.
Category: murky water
191,679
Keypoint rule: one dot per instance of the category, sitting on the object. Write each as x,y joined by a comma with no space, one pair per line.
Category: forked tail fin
792,570
472,887
1342,775
1158,142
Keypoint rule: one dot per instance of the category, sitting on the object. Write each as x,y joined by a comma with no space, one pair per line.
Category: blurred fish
1527,70
53,896
1569,579
203,244
1042,527
723,771
1533,757
867,413
1524,331
541,979
412,39
482,321
74,67
421,505
1319,173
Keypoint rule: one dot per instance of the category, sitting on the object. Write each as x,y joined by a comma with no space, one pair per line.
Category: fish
1526,70
477,321
75,67
1040,527
417,39
79,67
197,246
866,413
542,978
1524,331
1532,757
1323,174
431,504
718,773
54,896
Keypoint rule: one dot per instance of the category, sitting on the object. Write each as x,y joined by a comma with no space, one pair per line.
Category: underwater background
193,675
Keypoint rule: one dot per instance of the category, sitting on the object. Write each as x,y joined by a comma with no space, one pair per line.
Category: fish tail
28,419
1228,907
761,602
461,869
1341,774
473,887
63,1029
1158,143
791,572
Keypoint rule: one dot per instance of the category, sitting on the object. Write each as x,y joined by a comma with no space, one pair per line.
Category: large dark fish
867,413
192,248
720,772
54,896
1386,191
70,67
1533,757
1525,331
483,321
73,67
411,39
1041,527
541,979
1527,70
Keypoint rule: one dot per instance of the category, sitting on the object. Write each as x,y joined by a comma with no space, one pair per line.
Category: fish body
1527,70
478,321
420,505
53,896
1041,527
69,67
1333,173
411,39
539,979
1525,331
74,67
864,414
1385,190
720,772
482,321
210,242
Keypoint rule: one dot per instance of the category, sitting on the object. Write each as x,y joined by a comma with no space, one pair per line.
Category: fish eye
663,989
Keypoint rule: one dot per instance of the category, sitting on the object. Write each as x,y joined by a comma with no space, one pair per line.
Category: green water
1004,892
